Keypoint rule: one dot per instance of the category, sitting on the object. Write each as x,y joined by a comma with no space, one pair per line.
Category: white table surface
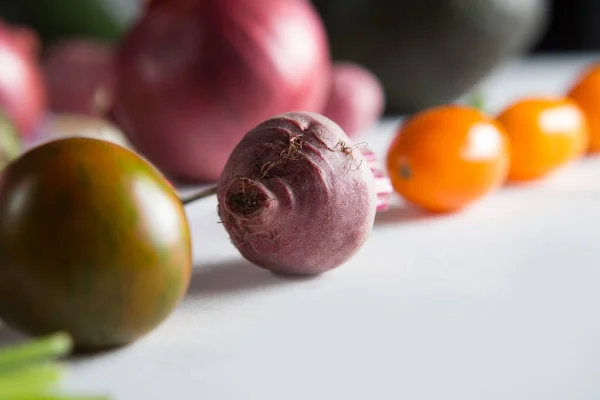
497,302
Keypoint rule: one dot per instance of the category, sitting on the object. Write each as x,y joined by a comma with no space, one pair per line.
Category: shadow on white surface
231,276
403,213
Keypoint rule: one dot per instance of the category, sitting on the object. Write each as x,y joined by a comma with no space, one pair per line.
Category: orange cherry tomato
447,157
586,92
544,134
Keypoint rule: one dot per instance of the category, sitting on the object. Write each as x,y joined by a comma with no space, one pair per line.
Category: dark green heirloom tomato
94,241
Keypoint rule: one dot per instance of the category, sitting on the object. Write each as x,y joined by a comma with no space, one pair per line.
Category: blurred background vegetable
430,52
586,93
22,90
80,77
356,99
58,19
198,74
545,134
195,76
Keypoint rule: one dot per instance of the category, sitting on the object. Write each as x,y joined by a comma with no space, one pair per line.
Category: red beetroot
80,77
22,91
296,197
356,100
195,75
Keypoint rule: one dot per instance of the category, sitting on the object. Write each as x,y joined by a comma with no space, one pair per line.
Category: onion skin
22,90
80,77
357,98
195,75
26,39
296,197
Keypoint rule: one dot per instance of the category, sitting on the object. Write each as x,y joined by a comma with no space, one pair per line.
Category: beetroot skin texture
356,99
295,196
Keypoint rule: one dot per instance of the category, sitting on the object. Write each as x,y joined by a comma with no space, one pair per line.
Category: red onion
356,100
26,40
80,77
22,91
196,75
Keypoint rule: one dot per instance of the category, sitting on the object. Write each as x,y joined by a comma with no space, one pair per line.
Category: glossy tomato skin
93,241
544,134
586,93
445,158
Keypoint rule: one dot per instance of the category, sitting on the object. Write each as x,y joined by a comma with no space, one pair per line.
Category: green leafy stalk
32,380
29,371
477,100
42,349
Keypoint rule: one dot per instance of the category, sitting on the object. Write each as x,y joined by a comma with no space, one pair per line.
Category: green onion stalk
33,370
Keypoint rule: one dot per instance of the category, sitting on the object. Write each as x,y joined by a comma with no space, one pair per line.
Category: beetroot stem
199,194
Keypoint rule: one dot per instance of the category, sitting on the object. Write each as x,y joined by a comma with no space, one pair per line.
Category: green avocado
57,19
430,52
